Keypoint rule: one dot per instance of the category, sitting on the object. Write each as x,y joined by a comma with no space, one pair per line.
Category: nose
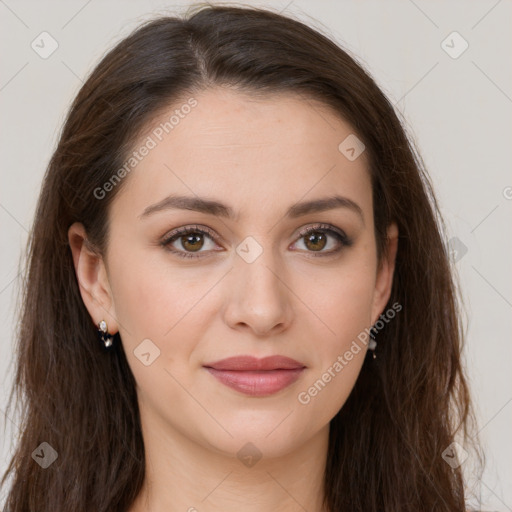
259,299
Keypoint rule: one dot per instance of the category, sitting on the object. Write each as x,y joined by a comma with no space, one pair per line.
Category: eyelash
342,238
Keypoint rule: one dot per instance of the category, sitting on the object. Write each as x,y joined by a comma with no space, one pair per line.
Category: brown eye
315,240
323,239
192,242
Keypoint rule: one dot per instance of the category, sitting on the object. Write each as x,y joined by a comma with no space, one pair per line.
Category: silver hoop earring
106,338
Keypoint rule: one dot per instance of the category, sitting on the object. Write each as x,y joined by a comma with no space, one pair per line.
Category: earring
106,338
372,344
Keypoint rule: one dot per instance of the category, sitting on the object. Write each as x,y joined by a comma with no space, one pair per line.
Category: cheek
340,301
343,304
158,312
161,303
150,294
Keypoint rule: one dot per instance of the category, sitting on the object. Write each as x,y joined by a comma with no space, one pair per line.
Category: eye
316,238
186,241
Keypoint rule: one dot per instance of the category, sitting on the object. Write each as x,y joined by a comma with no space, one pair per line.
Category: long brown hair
407,407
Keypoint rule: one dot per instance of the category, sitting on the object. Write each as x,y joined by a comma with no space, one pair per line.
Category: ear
384,280
92,278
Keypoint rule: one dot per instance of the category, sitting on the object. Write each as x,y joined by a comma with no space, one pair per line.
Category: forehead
248,150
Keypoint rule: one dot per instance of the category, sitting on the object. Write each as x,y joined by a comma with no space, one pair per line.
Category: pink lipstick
256,377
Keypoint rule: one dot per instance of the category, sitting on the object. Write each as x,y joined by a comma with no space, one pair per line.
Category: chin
269,439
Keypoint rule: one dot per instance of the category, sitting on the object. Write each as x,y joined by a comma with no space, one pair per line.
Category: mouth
256,377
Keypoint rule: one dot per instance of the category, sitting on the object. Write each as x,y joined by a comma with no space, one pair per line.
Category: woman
238,294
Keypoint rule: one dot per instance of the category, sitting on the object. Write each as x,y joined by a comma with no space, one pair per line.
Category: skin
259,156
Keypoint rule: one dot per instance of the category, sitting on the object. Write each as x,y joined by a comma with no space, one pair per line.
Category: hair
386,442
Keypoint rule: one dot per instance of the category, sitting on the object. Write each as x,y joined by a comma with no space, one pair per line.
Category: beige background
457,109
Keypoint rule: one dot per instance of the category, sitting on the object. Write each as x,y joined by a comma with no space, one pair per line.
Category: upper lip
250,363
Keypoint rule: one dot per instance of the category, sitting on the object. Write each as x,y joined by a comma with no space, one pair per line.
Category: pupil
316,238
193,241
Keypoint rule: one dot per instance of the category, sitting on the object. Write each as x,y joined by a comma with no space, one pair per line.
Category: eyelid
324,227
184,230
343,239
191,229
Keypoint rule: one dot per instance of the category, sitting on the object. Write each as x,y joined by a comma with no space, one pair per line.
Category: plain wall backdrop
453,89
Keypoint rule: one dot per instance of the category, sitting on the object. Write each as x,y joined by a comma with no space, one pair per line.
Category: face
247,259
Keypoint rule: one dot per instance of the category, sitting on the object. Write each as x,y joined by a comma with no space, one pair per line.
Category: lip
256,377
250,363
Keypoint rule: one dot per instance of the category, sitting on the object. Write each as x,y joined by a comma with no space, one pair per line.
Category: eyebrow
217,208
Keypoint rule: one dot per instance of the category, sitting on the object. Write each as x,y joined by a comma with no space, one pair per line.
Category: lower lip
257,383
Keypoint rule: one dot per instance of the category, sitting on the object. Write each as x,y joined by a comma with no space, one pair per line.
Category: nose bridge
259,297
258,267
